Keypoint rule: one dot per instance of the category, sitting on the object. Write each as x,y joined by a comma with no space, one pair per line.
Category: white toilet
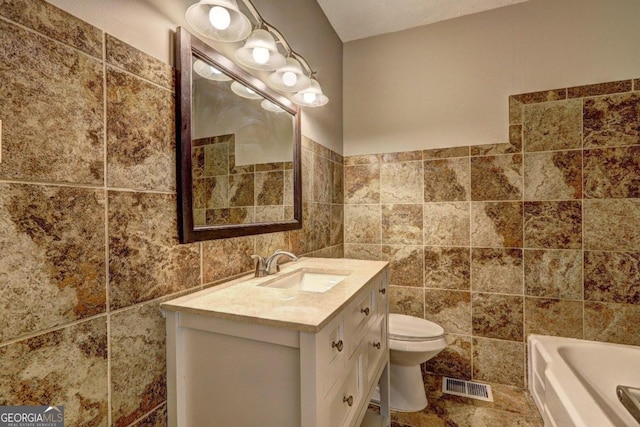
412,341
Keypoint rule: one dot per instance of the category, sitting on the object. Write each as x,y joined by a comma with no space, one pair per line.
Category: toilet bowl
412,341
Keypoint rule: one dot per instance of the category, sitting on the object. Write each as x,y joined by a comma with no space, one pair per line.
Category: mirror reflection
242,148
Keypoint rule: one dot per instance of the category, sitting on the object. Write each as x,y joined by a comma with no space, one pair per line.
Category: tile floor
512,406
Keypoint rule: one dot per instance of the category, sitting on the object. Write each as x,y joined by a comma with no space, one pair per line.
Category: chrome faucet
267,266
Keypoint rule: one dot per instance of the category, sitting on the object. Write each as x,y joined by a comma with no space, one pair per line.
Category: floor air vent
467,389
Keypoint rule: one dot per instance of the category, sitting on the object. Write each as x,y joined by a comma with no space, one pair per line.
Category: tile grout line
106,225
584,328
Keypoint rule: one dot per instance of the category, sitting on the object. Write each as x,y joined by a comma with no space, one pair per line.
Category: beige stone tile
337,189
554,225
498,316
362,224
269,188
301,240
336,233
40,92
242,190
307,175
553,317
406,265
612,277
599,89
66,366
447,268
362,184
612,173
612,120
409,301
139,63
496,224
443,153
553,175
612,224
267,213
146,264
447,224
552,126
321,223
157,418
467,416
138,373
211,193
497,270
268,243
541,96
496,177
141,147
447,180
553,273
52,264
449,309
363,251
498,361
322,176
402,224
363,159
611,322
401,182
403,156
455,360
227,257
47,19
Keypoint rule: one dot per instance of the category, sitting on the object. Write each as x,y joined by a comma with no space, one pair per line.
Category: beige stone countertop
244,300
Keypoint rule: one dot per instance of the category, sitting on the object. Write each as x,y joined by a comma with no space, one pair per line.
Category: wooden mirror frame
186,46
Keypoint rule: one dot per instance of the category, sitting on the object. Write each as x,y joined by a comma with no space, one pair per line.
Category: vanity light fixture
209,71
243,91
270,106
260,52
219,20
311,96
289,77
222,20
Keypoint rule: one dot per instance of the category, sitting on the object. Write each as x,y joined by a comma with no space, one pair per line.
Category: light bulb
250,91
289,78
309,97
260,55
214,70
219,17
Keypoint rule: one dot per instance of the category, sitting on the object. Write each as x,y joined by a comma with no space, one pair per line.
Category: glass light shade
260,52
289,78
243,91
270,106
205,17
209,71
311,96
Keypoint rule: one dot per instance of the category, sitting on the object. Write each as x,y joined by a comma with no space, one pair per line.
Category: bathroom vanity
304,347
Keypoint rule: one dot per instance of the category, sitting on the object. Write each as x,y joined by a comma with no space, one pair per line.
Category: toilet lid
410,328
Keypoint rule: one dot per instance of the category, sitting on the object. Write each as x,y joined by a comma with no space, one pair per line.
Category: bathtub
573,382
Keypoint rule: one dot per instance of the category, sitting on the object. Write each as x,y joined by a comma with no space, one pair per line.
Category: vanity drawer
343,399
331,354
376,342
360,312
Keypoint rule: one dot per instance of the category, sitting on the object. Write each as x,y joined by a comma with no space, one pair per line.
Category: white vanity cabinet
224,370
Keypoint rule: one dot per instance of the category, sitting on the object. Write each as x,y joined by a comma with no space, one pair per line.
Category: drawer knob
348,400
339,345
376,345
365,311
383,291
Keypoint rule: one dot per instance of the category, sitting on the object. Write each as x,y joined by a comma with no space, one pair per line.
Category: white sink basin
308,279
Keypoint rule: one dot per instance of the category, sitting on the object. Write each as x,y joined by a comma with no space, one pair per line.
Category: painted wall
495,242
148,25
88,222
447,84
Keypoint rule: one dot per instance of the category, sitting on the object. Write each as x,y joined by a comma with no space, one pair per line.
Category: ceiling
359,19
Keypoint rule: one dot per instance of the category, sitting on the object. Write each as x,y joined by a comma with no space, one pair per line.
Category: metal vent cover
469,389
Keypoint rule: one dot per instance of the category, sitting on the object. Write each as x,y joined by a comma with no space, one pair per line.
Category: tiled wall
88,222
494,242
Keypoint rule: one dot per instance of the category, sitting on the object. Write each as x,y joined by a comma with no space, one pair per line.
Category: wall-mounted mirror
238,143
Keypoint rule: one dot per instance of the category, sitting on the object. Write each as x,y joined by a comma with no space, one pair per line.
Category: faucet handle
261,265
